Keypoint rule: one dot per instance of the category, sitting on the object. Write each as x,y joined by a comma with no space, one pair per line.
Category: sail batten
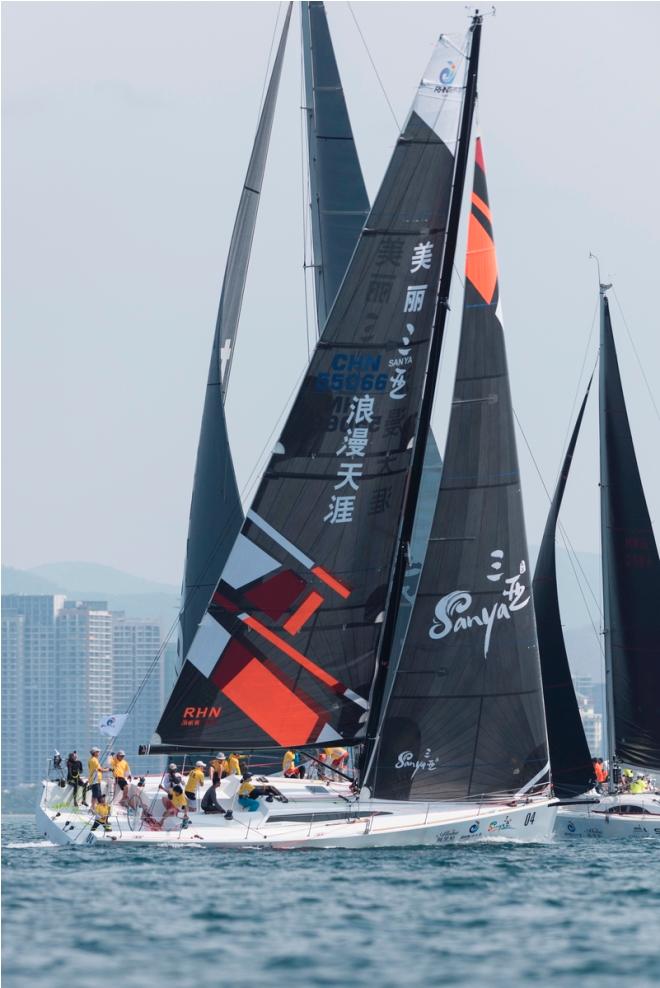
465,714
631,576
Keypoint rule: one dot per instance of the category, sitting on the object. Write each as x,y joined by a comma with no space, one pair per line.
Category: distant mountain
137,597
23,581
97,578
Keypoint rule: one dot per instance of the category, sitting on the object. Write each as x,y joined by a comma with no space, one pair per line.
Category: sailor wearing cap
218,768
94,775
194,782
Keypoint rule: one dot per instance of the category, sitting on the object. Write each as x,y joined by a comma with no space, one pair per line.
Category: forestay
465,717
285,653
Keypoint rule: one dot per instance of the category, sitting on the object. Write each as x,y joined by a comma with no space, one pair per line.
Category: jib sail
569,752
465,717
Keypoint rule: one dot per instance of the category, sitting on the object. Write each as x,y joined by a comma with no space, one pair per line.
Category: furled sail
631,575
465,716
285,654
339,201
216,514
572,769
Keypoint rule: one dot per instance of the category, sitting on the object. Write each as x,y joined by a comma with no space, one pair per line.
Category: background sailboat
631,591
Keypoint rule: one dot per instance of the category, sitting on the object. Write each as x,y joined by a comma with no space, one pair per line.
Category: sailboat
631,592
300,645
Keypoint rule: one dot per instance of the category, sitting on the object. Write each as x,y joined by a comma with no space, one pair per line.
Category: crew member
194,782
175,801
289,767
94,775
122,773
210,801
248,790
74,777
170,778
337,757
101,814
218,768
233,764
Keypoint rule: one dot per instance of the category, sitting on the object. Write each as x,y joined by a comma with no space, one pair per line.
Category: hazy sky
126,133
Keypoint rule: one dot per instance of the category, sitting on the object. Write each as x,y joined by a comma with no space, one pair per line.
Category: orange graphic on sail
481,262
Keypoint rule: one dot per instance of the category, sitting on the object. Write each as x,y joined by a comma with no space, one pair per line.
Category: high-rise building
137,666
85,667
30,676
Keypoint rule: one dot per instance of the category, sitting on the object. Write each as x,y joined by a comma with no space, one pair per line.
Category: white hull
358,823
610,818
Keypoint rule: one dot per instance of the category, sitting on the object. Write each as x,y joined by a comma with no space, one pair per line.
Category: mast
605,547
339,204
426,405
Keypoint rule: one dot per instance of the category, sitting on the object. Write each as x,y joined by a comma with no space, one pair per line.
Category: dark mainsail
570,759
465,717
631,576
339,201
285,654
216,514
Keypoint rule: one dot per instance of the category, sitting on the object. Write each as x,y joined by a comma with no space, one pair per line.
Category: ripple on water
484,915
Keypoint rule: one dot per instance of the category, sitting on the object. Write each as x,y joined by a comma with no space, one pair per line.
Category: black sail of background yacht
216,514
631,576
285,654
339,203
570,758
465,714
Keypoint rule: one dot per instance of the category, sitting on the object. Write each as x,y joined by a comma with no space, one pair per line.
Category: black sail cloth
339,201
465,717
572,770
631,574
285,654
216,514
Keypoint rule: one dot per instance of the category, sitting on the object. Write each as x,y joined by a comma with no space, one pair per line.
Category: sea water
583,914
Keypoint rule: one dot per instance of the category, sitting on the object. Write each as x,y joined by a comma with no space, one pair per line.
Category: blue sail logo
448,74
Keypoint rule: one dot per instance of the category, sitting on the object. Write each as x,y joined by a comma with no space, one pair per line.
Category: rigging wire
578,386
373,65
632,343
267,75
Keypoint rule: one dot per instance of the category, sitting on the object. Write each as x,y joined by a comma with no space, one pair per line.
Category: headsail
572,770
216,514
285,654
465,716
631,575
339,201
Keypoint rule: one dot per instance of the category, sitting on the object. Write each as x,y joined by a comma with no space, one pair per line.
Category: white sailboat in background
300,644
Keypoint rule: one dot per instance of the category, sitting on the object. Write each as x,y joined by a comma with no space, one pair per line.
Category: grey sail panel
631,574
285,654
216,513
465,717
339,201
572,770
233,285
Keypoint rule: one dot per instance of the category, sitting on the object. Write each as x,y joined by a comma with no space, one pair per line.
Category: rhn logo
448,74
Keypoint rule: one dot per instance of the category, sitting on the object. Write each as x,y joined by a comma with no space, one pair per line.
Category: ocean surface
584,914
